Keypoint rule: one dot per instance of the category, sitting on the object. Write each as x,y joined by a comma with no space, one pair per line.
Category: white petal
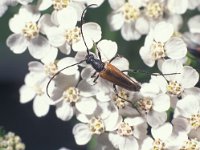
116,4
194,24
26,94
86,89
107,48
165,129
67,17
129,143
92,30
81,133
142,25
188,105
67,62
190,77
50,56
45,23
146,57
15,25
64,111
175,48
96,2
29,13
44,4
161,103
149,89
38,47
121,63
181,125
115,21
55,36
163,31
129,33
178,7
40,106
89,102
17,43
35,66
156,119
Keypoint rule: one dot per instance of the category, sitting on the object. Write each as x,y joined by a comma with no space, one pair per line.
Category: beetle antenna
47,87
82,16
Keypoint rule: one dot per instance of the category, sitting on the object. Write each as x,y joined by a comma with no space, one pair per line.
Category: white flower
26,33
153,104
179,80
161,43
61,6
187,116
4,5
126,16
104,119
34,88
129,131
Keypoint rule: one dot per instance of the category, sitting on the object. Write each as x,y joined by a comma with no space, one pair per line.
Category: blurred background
49,133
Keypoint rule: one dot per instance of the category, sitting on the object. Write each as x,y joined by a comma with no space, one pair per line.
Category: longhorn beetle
105,69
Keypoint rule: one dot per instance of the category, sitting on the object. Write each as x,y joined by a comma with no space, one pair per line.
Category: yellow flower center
154,10
31,30
125,129
174,87
120,100
157,50
145,104
130,12
158,145
60,4
51,69
194,120
73,35
71,95
96,125
190,145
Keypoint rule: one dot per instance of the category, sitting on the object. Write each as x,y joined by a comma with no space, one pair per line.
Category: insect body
105,70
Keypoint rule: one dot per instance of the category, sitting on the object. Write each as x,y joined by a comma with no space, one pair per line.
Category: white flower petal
178,7
40,106
38,47
64,111
149,89
15,25
81,133
142,25
156,119
45,23
163,31
17,43
67,17
50,56
129,143
26,94
107,48
44,4
129,33
194,24
175,48
86,89
190,77
161,103
92,30
146,57
35,67
115,21
89,102
116,4
165,129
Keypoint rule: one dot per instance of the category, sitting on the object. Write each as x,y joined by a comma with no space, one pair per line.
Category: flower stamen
96,125
60,4
130,12
30,31
194,120
145,104
190,145
154,10
125,129
174,87
73,35
158,145
120,99
71,95
157,50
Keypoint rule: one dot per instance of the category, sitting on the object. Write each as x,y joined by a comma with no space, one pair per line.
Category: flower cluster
163,113
10,141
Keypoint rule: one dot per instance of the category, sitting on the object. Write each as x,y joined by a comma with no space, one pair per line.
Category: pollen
154,10
174,87
30,31
73,35
60,4
120,100
50,69
125,129
158,145
190,145
71,95
145,104
38,90
157,50
130,12
96,125
194,121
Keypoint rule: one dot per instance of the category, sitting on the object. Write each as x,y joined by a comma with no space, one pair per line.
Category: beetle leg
117,55
94,74
95,79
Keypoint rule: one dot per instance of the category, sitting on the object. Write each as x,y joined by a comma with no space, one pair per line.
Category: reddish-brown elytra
106,70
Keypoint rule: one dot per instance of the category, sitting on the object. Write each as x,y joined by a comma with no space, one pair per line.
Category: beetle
105,70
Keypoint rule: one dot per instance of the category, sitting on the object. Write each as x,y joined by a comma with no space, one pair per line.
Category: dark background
48,133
